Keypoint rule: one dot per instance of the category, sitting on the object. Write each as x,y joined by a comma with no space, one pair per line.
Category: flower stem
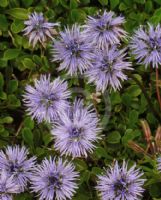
157,88
151,106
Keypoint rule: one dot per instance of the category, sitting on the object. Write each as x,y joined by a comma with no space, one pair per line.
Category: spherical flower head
76,131
14,160
121,183
38,29
46,100
108,69
146,45
7,186
54,179
104,30
72,51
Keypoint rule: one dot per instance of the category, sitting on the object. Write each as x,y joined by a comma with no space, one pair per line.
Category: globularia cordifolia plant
94,50
121,183
54,179
15,162
77,130
8,186
46,99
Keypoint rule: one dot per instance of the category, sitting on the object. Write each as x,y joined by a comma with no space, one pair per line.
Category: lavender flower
146,45
76,131
7,186
121,183
14,160
38,29
104,30
46,100
108,69
73,51
54,179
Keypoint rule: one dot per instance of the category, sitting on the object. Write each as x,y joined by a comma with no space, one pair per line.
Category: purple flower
121,183
7,186
38,29
54,179
146,45
108,69
76,131
73,51
46,100
14,160
104,30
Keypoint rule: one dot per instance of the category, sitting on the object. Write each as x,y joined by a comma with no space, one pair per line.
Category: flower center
73,47
48,99
154,43
75,133
121,186
102,25
54,180
106,66
14,167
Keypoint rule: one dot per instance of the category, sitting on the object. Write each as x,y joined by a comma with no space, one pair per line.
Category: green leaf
3,23
80,164
130,134
37,59
28,63
123,6
103,2
96,170
73,4
140,1
154,190
13,101
28,122
115,98
64,3
12,86
148,6
27,136
18,13
85,176
133,116
114,3
17,26
27,3
126,99
10,54
114,137
100,152
6,120
134,91
78,15
1,81
3,3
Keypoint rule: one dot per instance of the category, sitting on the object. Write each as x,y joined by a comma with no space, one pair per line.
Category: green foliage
20,64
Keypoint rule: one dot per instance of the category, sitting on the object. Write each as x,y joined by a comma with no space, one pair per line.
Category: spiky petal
8,186
76,131
72,51
38,29
54,179
121,183
146,45
105,30
14,160
108,69
46,99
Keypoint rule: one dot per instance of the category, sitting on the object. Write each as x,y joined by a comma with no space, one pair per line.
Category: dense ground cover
129,118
